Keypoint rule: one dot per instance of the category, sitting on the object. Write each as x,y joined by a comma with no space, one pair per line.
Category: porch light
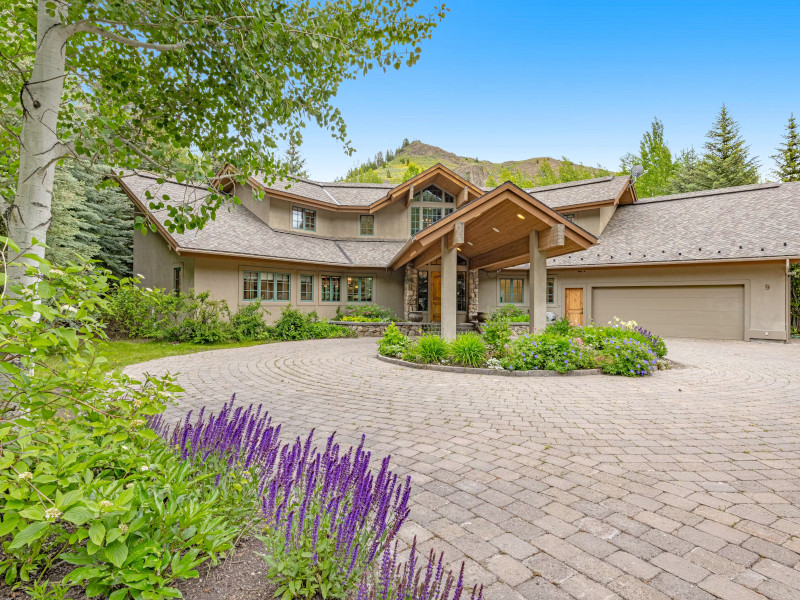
496,230
521,216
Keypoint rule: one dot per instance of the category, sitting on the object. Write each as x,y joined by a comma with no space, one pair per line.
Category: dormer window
304,218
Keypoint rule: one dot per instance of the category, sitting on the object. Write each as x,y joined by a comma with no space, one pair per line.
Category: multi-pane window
273,287
331,288
551,290
461,291
422,290
424,216
570,217
367,225
177,277
306,288
304,218
511,291
359,289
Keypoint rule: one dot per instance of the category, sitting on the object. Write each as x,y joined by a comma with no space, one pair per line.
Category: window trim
463,275
303,211
322,297
361,226
360,277
177,280
258,297
500,291
300,281
569,217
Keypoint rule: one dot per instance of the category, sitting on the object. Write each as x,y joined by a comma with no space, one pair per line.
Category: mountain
534,171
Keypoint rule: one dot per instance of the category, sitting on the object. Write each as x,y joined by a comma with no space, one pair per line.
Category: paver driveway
681,485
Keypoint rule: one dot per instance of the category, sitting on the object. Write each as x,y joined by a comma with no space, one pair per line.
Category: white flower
123,528
145,468
124,447
137,423
52,513
140,276
105,504
26,476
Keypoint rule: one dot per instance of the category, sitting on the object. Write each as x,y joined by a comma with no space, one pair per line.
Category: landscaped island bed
621,348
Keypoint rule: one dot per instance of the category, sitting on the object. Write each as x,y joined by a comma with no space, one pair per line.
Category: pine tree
295,161
684,179
726,161
656,158
788,157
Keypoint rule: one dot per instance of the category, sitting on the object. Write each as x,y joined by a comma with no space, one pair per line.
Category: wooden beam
456,237
512,250
552,238
463,197
428,255
410,195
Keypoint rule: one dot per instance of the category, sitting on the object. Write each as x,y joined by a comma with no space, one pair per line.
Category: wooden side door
573,305
435,295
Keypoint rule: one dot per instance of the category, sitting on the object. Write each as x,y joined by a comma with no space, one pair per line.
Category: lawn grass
121,353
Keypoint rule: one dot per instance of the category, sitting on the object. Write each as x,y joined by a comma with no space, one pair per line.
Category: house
711,264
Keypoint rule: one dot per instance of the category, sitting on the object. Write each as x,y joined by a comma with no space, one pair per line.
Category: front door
435,292
573,305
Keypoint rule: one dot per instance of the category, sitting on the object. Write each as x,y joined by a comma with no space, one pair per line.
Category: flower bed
617,349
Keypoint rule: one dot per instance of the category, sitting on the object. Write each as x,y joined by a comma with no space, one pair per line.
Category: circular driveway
685,484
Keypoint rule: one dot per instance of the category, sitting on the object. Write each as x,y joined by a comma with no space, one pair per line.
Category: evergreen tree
726,161
788,157
684,179
295,162
656,158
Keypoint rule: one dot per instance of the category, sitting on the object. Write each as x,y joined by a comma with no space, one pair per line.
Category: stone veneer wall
410,291
472,295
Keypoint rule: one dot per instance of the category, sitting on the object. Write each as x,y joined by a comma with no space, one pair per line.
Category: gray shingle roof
337,193
236,230
759,221
586,191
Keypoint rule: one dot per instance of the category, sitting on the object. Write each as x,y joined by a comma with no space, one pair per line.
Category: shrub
197,319
629,357
363,319
560,326
431,349
371,311
549,351
469,350
411,351
296,325
497,334
513,313
393,342
248,323
657,344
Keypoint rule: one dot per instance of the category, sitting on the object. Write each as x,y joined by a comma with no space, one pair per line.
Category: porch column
449,300
473,285
537,285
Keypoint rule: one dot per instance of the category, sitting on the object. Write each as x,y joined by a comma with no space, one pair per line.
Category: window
304,218
422,290
425,216
176,280
331,288
359,289
429,194
551,290
461,291
367,224
570,217
306,288
511,291
273,287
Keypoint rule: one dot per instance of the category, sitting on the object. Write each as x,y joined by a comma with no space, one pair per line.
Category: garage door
715,312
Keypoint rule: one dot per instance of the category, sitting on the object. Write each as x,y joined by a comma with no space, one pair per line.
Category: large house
711,264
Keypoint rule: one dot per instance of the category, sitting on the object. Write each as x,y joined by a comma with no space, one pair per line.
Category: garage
697,311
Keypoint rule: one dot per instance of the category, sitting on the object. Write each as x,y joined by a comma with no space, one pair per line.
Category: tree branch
120,39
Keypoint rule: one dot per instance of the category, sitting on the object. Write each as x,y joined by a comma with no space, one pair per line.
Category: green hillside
401,164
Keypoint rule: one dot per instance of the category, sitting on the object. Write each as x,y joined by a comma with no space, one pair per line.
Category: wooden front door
573,305
435,294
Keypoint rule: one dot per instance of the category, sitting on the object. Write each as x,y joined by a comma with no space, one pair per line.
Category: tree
656,158
788,156
295,163
726,161
684,179
177,88
412,171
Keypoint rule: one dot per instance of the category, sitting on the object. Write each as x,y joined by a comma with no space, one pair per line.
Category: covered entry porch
503,228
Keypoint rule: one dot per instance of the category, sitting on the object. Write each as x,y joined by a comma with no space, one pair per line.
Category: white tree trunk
30,216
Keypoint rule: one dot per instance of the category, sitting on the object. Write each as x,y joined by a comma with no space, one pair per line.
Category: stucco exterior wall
155,261
260,208
223,278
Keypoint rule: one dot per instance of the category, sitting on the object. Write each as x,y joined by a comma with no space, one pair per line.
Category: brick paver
681,485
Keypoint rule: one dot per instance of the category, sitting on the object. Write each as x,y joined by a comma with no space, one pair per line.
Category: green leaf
29,534
78,515
96,532
117,553
118,594
9,524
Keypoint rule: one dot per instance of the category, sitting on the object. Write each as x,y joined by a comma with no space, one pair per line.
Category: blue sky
504,80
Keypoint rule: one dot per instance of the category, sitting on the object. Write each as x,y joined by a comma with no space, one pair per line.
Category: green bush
371,311
355,319
497,334
411,351
393,342
560,326
431,349
469,350
197,319
628,356
248,323
513,313
549,351
296,325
